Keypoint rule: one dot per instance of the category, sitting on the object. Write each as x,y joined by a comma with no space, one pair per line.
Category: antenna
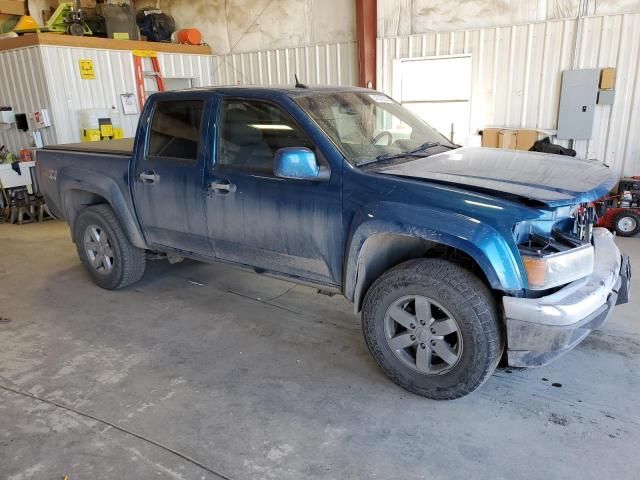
298,84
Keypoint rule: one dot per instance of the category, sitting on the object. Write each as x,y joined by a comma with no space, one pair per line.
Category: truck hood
540,177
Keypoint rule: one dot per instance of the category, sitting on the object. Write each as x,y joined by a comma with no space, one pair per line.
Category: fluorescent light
268,126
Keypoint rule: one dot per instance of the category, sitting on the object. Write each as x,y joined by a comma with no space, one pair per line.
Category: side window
252,131
175,130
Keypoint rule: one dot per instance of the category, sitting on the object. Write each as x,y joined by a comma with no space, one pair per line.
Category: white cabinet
10,178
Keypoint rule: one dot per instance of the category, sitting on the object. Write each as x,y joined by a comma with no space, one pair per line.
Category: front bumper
540,330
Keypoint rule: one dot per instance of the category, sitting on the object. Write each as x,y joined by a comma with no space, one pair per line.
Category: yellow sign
86,70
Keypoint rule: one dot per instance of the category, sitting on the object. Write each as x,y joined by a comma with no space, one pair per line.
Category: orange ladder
138,56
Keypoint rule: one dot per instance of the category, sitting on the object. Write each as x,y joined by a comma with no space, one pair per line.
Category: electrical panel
577,103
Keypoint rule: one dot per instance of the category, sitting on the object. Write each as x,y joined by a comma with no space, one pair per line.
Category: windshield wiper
410,153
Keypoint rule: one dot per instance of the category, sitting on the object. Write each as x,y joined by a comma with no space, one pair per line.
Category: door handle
149,177
222,186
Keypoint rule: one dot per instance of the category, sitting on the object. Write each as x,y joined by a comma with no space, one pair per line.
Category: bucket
187,36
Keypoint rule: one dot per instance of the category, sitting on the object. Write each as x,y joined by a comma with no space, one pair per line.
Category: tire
626,223
452,293
111,260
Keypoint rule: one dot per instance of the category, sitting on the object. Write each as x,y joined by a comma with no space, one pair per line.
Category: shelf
33,39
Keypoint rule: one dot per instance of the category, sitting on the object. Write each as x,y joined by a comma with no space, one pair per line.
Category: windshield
370,126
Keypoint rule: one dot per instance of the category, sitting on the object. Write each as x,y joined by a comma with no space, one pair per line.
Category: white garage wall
407,17
69,93
335,64
23,87
234,26
517,75
114,76
326,64
48,77
64,93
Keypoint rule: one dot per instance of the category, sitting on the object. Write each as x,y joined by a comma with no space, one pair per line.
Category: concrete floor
258,379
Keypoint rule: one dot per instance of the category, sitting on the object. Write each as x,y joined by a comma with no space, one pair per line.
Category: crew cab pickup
457,257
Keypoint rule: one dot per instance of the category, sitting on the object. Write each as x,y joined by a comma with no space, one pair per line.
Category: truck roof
288,90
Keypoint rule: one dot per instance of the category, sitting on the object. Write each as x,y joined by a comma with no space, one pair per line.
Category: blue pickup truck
457,257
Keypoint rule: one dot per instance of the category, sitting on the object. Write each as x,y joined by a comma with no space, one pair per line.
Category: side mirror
297,163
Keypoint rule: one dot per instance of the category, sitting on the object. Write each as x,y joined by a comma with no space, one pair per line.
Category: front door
288,226
168,178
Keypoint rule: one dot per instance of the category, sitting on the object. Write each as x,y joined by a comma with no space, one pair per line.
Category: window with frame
252,131
175,130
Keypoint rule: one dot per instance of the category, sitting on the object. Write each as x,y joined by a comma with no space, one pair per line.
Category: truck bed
112,147
104,166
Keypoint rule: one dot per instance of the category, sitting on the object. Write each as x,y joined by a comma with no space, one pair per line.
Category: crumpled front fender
490,248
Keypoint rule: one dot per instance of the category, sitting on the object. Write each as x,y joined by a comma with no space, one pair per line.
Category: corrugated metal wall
23,87
334,64
114,76
69,93
517,76
64,93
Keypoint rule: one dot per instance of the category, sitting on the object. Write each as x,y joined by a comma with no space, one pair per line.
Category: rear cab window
176,130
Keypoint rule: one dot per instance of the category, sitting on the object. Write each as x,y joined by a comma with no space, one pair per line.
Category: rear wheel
626,223
433,327
104,249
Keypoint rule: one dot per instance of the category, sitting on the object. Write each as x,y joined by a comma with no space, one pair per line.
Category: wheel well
75,202
384,251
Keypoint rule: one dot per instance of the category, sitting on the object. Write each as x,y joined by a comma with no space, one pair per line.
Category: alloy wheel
99,249
423,335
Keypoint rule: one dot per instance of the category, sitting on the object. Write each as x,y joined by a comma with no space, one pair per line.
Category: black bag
546,146
154,24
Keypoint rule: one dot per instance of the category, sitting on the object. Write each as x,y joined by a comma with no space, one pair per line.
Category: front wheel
433,327
104,249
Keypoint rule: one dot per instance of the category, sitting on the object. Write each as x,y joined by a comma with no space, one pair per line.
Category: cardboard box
525,139
12,7
490,137
607,78
507,139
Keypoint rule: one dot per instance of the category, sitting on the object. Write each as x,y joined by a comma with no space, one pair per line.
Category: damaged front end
576,275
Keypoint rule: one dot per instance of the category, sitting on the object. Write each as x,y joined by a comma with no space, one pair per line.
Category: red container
25,155
189,36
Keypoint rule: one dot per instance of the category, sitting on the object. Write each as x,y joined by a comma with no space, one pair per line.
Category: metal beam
366,30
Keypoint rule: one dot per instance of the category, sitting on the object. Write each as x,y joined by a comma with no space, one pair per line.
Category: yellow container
91,135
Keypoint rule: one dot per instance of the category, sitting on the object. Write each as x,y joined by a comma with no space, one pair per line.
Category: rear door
282,225
168,179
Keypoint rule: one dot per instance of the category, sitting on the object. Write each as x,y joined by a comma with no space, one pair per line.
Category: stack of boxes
509,138
606,93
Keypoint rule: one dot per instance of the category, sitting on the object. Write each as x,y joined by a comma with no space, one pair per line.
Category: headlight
560,268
